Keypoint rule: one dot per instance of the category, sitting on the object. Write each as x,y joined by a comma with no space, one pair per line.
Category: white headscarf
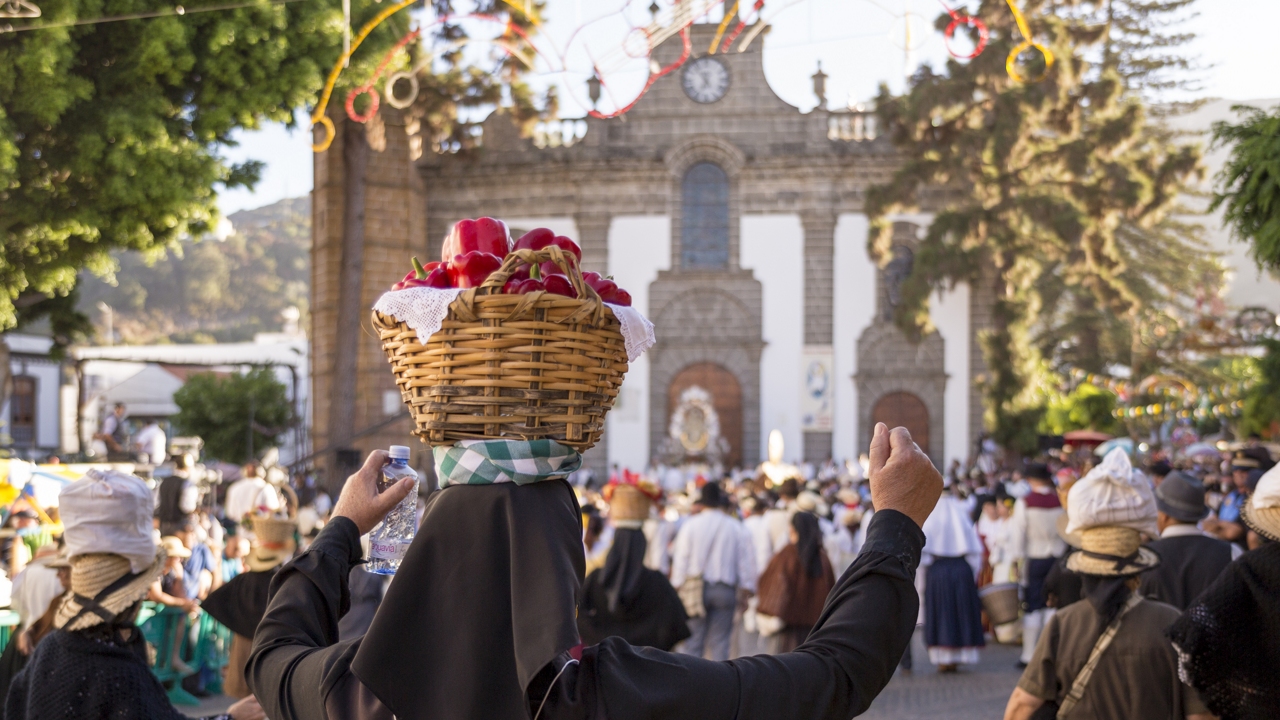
1113,494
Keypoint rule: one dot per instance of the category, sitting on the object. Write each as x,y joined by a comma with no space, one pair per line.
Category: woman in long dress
951,560
795,586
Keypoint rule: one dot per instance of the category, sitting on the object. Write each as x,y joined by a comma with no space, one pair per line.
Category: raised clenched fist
902,476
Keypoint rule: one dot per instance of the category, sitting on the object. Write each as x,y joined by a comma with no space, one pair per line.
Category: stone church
735,221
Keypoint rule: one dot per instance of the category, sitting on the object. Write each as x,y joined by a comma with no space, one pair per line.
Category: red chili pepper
540,238
485,235
472,269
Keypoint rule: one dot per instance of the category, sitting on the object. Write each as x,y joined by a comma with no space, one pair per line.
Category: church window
705,233
22,410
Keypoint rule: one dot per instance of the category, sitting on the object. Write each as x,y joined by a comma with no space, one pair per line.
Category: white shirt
33,589
778,521
717,547
1183,529
759,529
246,494
1034,532
152,441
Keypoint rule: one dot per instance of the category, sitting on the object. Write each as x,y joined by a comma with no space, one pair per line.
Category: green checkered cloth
484,462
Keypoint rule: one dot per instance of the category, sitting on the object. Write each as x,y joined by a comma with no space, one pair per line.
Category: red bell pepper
438,278
472,269
417,277
621,297
540,238
484,235
523,287
559,285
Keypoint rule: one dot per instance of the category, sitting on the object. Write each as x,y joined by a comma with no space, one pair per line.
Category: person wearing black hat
1189,559
479,622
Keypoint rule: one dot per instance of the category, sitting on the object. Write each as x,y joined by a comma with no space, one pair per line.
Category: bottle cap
399,452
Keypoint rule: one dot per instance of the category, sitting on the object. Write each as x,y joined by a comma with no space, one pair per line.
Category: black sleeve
296,658
835,674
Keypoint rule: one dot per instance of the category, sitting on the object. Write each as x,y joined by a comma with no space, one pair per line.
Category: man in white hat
1108,657
94,663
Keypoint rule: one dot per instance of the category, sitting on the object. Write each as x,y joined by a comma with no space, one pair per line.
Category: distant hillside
212,290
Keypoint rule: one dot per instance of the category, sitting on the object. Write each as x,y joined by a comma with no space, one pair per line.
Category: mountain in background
211,290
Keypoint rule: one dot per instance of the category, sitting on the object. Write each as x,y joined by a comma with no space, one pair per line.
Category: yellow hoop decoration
724,24
329,134
1028,42
1011,62
318,116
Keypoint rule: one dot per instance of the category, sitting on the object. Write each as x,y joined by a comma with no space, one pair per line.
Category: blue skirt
952,609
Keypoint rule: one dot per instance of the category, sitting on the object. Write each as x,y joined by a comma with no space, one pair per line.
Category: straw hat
102,586
1112,551
173,547
1072,539
274,543
1262,512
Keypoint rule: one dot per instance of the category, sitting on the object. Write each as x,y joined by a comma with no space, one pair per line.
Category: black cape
1229,639
241,602
522,574
627,599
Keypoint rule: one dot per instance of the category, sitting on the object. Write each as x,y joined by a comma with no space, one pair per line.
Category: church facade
735,221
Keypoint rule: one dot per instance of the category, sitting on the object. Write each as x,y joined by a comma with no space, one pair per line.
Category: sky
860,44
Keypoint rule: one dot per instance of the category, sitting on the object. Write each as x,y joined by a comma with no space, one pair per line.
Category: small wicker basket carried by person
519,367
630,499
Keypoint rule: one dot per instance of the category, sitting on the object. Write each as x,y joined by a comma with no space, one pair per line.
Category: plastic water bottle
390,539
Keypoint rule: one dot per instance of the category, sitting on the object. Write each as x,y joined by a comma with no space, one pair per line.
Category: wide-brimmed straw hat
1112,551
1073,538
173,547
273,543
102,586
1262,512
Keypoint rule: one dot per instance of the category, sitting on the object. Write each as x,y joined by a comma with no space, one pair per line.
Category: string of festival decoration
1028,42
1180,398
984,34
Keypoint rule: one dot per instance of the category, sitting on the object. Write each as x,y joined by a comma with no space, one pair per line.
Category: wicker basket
536,366
1001,602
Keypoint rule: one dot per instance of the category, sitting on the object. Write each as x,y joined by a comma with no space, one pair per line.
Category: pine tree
1031,184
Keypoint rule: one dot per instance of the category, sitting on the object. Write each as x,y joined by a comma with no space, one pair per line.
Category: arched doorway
903,409
726,398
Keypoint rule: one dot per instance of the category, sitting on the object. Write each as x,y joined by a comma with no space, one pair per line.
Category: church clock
705,80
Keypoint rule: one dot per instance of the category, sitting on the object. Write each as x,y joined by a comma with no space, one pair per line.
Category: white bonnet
109,511
1113,494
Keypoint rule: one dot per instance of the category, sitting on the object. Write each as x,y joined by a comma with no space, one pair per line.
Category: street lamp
593,89
820,86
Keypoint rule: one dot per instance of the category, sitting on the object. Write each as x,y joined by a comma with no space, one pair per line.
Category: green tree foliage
210,290
1249,184
110,133
1262,400
222,411
1087,407
1031,183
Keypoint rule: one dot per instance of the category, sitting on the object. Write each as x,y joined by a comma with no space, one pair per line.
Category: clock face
705,80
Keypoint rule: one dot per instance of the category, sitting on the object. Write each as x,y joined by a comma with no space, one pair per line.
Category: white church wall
639,246
855,306
949,311
772,247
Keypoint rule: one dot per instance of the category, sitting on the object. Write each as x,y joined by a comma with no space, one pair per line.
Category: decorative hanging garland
984,34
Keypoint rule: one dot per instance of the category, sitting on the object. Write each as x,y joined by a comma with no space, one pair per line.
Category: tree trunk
355,154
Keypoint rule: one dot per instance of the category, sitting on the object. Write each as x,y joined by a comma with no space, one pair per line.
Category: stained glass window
705,235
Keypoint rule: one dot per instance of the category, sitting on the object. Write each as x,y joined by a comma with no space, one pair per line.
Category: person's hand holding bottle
360,501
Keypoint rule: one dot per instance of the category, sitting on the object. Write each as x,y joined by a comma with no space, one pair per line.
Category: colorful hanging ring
370,111
1011,62
983,35
393,100
329,134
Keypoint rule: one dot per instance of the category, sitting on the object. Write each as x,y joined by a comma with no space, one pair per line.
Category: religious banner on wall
817,399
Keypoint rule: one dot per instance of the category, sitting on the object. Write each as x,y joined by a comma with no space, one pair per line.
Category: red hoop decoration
373,104
653,78
984,34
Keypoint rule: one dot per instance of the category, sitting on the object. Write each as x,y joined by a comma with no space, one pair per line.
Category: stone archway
726,398
906,410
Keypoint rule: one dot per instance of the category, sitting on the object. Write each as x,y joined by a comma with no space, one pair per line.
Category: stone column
819,300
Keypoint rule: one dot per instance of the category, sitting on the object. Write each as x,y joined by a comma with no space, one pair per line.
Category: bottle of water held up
391,538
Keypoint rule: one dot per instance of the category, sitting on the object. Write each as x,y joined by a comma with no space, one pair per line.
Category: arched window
704,240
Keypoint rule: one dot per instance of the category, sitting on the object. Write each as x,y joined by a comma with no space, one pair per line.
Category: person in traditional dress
1034,541
94,663
479,622
952,560
1108,658
795,585
624,598
1190,560
240,603
1228,640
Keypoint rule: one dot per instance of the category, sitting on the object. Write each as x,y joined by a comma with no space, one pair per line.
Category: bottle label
388,549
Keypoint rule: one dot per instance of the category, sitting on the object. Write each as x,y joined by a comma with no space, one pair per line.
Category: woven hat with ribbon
1109,510
1262,512
273,542
629,499
102,587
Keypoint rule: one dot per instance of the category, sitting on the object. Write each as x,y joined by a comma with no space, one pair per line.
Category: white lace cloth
424,310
